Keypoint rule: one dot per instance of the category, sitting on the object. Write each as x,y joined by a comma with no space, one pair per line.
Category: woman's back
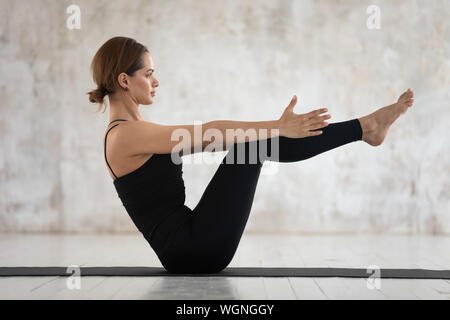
150,187
119,159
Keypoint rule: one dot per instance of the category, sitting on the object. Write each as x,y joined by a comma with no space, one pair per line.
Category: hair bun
104,91
97,95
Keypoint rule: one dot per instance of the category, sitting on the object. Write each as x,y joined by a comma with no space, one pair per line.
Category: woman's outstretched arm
221,134
217,135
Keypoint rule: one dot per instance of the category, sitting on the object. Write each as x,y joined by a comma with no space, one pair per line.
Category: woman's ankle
368,124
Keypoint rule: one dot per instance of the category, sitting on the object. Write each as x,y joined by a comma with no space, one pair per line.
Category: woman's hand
300,125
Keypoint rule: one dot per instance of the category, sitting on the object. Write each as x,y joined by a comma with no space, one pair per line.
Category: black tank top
152,191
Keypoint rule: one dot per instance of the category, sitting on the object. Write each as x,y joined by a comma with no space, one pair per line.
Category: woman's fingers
317,119
316,112
317,125
292,103
315,133
314,115
317,122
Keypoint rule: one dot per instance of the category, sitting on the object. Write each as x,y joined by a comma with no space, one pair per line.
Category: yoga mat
230,272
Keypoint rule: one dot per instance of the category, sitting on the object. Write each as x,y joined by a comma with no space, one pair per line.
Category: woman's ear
123,80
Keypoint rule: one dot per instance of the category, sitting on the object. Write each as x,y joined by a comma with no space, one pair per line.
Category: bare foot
376,125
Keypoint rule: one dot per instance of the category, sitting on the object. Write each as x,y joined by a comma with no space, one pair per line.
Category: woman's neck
123,109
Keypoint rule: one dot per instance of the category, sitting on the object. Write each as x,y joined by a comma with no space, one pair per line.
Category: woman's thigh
211,235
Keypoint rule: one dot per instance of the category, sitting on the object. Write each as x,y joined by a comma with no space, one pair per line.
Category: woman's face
142,86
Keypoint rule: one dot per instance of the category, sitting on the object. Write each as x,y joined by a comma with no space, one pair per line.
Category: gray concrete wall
231,60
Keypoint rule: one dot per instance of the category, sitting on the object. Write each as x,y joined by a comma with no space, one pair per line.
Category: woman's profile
138,155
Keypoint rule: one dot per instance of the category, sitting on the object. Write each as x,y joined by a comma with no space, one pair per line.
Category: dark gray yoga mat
230,272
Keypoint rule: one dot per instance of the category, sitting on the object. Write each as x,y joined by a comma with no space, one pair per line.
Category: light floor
255,250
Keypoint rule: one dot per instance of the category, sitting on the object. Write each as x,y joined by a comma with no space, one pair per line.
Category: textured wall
235,60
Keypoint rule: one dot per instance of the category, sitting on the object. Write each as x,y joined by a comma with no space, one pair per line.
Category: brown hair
117,55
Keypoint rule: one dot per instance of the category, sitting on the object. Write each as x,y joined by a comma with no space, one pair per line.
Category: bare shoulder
134,129
144,137
130,135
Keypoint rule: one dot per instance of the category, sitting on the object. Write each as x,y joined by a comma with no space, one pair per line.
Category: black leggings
204,240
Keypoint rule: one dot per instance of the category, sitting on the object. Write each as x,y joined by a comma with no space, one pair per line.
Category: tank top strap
106,135
117,120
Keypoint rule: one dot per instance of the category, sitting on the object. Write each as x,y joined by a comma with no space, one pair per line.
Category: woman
150,184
